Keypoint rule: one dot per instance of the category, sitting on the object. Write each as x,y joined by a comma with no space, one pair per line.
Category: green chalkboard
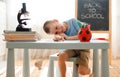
94,12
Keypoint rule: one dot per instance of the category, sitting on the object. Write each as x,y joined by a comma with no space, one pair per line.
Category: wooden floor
43,64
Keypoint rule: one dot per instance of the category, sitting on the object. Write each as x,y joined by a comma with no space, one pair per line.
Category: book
20,36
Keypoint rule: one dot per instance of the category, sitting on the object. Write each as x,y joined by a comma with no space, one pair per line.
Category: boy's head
53,27
46,26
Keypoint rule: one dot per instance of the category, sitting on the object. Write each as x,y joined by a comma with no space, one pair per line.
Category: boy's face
56,28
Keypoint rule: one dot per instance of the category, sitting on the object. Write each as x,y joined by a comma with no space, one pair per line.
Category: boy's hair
45,27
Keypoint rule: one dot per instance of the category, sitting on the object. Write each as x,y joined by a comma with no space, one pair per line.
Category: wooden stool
54,57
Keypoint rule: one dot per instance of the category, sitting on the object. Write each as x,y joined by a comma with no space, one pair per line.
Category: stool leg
51,69
57,71
75,70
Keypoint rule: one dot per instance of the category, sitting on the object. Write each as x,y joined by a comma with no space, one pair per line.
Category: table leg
95,63
26,66
10,63
104,65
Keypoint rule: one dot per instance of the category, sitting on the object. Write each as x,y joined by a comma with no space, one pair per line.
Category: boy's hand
69,37
58,38
64,36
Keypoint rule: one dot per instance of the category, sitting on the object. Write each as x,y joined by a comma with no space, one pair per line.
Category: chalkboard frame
96,24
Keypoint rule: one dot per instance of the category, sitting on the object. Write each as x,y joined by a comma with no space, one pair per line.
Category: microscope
22,21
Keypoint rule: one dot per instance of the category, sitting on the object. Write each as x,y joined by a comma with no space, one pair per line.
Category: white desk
49,44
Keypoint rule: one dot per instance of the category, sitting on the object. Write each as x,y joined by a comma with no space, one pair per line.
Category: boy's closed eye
56,28
56,32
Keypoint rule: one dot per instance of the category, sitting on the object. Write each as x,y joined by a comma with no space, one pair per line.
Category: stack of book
19,36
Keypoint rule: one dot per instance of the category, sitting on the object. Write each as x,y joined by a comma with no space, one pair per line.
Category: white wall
40,10
2,27
115,28
118,28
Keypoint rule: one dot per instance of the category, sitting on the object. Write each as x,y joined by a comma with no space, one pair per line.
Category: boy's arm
72,37
69,37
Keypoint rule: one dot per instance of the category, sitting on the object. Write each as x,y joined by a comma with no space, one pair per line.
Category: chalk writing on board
92,11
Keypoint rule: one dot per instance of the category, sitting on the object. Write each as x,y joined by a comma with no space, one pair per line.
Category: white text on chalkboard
92,11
